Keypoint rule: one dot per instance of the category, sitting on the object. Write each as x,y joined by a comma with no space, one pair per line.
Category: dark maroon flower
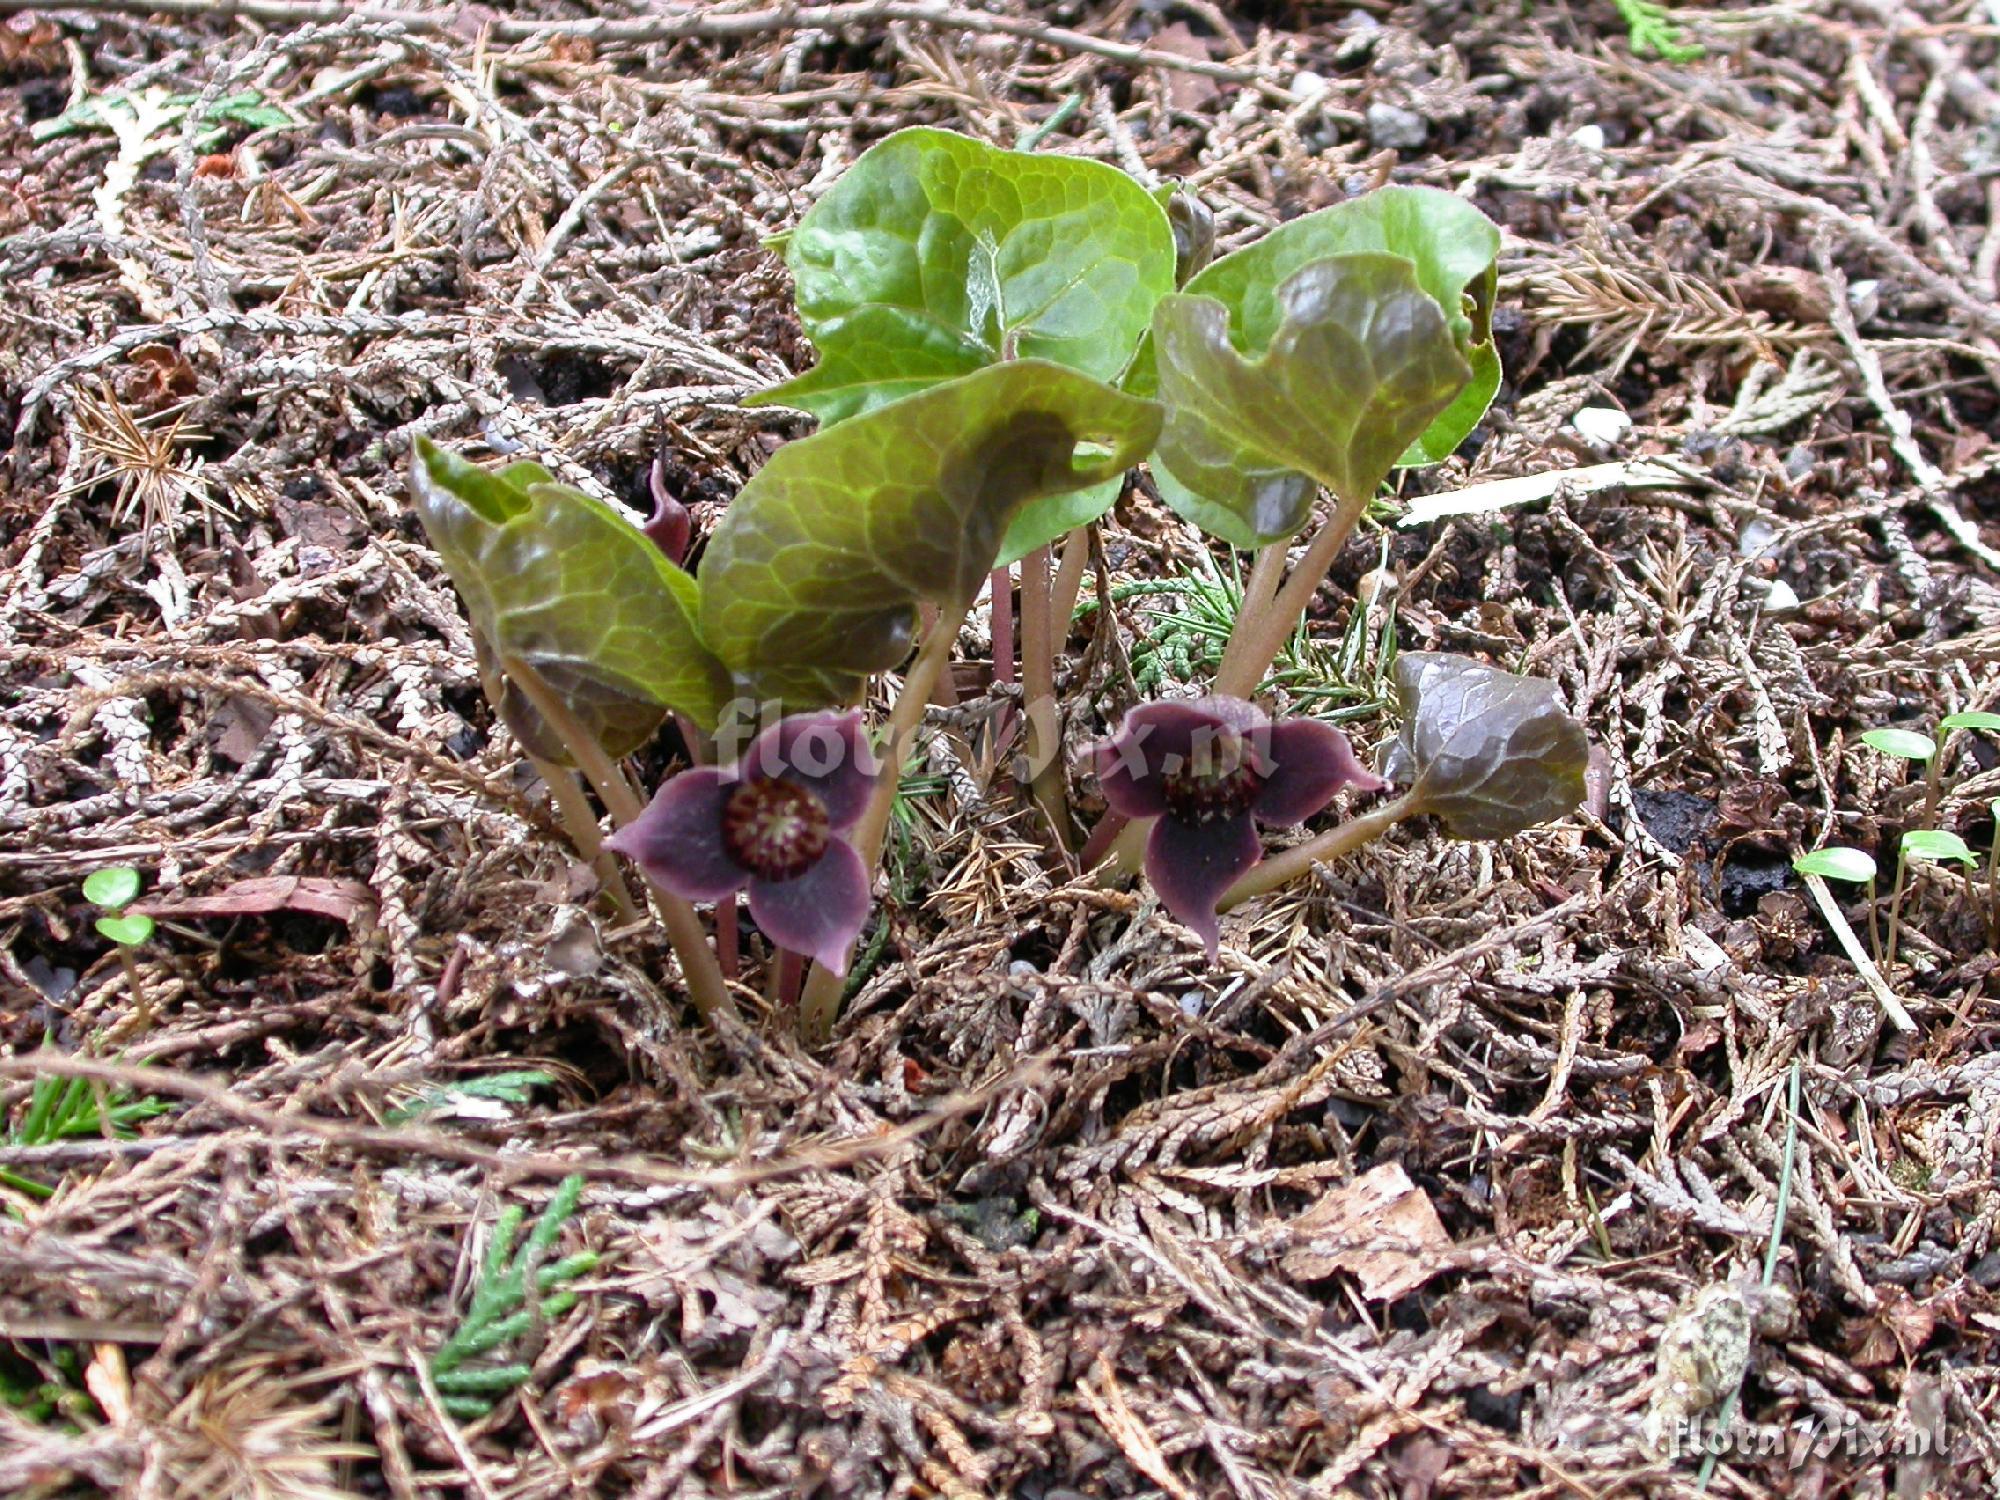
772,822
1209,771
671,525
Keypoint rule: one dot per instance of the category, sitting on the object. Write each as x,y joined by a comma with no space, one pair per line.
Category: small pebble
1393,129
1601,426
1781,597
1307,85
1590,137
1755,537
1865,297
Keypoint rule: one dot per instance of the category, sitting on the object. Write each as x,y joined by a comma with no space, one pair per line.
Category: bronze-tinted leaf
1487,752
560,581
1360,363
812,579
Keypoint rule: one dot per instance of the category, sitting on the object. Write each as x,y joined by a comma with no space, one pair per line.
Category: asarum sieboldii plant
775,823
1208,772
1001,338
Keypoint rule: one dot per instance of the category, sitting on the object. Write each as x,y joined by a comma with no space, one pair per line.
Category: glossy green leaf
112,888
565,584
1971,719
935,255
128,931
1487,752
1936,846
1836,862
1905,744
1359,364
811,580
1454,247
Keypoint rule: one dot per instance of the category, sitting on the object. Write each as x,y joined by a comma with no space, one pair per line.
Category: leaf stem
706,987
142,1006
1002,589
581,824
1003,624
1896,909
1100,844
1288,864
1038,692
1260,634
1069,580
728,939
1258,590
820,1002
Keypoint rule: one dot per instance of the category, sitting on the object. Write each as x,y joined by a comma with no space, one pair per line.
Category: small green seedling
1923,846
111,890
1935,846
1835,862
1904,744
1854,867
1971,720
1816,868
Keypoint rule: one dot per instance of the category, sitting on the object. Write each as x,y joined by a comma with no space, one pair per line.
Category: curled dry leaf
157,376
1380,1229
1487,752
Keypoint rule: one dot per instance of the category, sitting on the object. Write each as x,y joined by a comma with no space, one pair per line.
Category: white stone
1601,426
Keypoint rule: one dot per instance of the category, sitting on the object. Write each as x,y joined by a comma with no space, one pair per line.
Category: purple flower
1210,771
771,822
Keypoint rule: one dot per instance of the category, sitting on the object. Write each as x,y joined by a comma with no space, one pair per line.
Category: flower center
774,829
1219,780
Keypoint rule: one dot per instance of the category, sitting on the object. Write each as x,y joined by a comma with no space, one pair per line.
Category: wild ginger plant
1002,337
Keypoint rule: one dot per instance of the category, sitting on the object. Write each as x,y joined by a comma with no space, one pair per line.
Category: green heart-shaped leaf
129,931
112,888
1485,751
1454,247
1361,361
935,255
811,580
567,585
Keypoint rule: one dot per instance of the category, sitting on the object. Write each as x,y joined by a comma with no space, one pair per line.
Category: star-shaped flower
772,822
1209,771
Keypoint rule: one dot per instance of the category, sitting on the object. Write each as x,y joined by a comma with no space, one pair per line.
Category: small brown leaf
1897,1329
1380,1228
157,376
1185,91
342,900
